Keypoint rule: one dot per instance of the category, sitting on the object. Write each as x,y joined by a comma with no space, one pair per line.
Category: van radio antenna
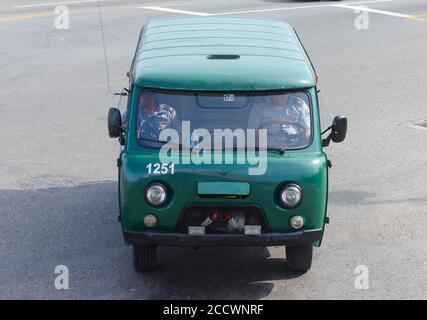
101,25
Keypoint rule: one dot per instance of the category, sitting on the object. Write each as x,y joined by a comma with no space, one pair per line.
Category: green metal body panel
306,167
308,170
173,54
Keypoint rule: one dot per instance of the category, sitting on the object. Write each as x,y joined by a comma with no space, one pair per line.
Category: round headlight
156,194
291,195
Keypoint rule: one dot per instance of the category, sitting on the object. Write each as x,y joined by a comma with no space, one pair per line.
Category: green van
221,140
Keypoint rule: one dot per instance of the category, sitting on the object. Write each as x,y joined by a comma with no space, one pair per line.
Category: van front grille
216,218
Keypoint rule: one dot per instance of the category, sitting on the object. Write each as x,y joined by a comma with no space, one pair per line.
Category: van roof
221,53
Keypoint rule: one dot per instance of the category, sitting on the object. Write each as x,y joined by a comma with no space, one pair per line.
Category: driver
286,118
152,118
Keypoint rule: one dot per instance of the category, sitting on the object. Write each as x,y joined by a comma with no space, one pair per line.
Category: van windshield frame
156,144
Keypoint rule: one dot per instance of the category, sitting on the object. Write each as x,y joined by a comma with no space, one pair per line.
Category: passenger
286,118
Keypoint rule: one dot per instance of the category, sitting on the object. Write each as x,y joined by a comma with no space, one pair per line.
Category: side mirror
114,123
339,129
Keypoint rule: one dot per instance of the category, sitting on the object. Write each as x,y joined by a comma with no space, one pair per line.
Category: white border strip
297,8
54,4
193,13
366,9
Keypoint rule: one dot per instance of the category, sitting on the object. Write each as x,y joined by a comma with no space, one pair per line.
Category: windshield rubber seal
255,93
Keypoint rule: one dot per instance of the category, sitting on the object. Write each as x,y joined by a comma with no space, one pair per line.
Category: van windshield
285,119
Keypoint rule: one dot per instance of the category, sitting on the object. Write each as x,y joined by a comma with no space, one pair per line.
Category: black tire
144,257
299,258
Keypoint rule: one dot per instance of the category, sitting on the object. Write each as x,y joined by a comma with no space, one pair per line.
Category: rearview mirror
114,123
339,129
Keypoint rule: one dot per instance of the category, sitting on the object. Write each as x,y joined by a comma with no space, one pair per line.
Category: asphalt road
58,200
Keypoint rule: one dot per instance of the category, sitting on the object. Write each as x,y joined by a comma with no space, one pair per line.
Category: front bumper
224,240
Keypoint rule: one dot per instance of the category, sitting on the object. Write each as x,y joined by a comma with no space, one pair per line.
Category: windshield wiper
174,143
280,150
180,145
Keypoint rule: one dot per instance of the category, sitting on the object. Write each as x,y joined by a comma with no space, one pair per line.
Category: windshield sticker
229,97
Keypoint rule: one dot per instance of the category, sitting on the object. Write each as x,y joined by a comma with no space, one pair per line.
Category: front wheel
299,258
144,257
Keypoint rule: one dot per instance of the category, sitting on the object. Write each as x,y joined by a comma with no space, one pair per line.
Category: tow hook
209,220
230,219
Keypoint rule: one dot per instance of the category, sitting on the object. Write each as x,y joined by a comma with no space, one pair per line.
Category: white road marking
388,13
193,13
350,5
54,3
196,13
296,8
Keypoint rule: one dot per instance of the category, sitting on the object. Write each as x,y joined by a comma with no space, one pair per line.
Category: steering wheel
289,140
